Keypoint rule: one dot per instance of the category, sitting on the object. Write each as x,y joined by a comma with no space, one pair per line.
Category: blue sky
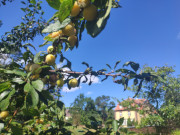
147,32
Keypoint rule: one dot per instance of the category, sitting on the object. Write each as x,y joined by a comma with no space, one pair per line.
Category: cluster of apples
89,10
69,31
89,14
53,79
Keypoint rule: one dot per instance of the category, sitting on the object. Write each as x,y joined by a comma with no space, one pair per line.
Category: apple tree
30,84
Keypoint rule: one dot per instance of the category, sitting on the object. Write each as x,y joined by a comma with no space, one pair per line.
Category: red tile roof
139,102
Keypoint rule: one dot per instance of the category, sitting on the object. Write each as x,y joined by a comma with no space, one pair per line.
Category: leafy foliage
31,26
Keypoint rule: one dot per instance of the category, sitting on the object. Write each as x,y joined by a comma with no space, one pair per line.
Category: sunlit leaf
38,85
65,9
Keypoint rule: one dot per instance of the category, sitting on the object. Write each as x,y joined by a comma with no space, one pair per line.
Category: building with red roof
130,109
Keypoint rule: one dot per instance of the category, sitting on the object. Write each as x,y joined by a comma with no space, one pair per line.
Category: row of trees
85,107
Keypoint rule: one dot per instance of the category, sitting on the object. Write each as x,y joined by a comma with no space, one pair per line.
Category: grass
77,130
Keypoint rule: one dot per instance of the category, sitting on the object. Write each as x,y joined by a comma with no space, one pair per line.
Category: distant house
131,110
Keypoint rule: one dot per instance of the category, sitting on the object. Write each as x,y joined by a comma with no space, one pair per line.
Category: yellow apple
50,49
72,40
75,10
35,68
90,13
39,121
60,82
4,114
35,76
84,3
56,34
28,66
68,30
73,82
50,59
53,78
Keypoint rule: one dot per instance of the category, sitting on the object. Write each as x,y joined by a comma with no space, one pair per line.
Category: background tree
103,104
84,107
164,95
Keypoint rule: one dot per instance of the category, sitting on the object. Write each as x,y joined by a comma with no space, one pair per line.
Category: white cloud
59,65
94,79
89,93
66,89
21,61
66,69
178,36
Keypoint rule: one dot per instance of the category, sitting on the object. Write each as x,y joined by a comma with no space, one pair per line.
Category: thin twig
15,112
79,73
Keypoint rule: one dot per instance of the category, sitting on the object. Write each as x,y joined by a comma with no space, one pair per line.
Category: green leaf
16,72
45,43
4,103
38,85
116,64
134,66
81,29
33,1
34,97
109,66
28,87
115,125
109,121
60,104
23,9
96,26
4,94
65,9
84,63
37,58
93,119
53,27
139,88
135,81
4,86
18,80
47,95
16,130
126,83
26,55
120,121
54,3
